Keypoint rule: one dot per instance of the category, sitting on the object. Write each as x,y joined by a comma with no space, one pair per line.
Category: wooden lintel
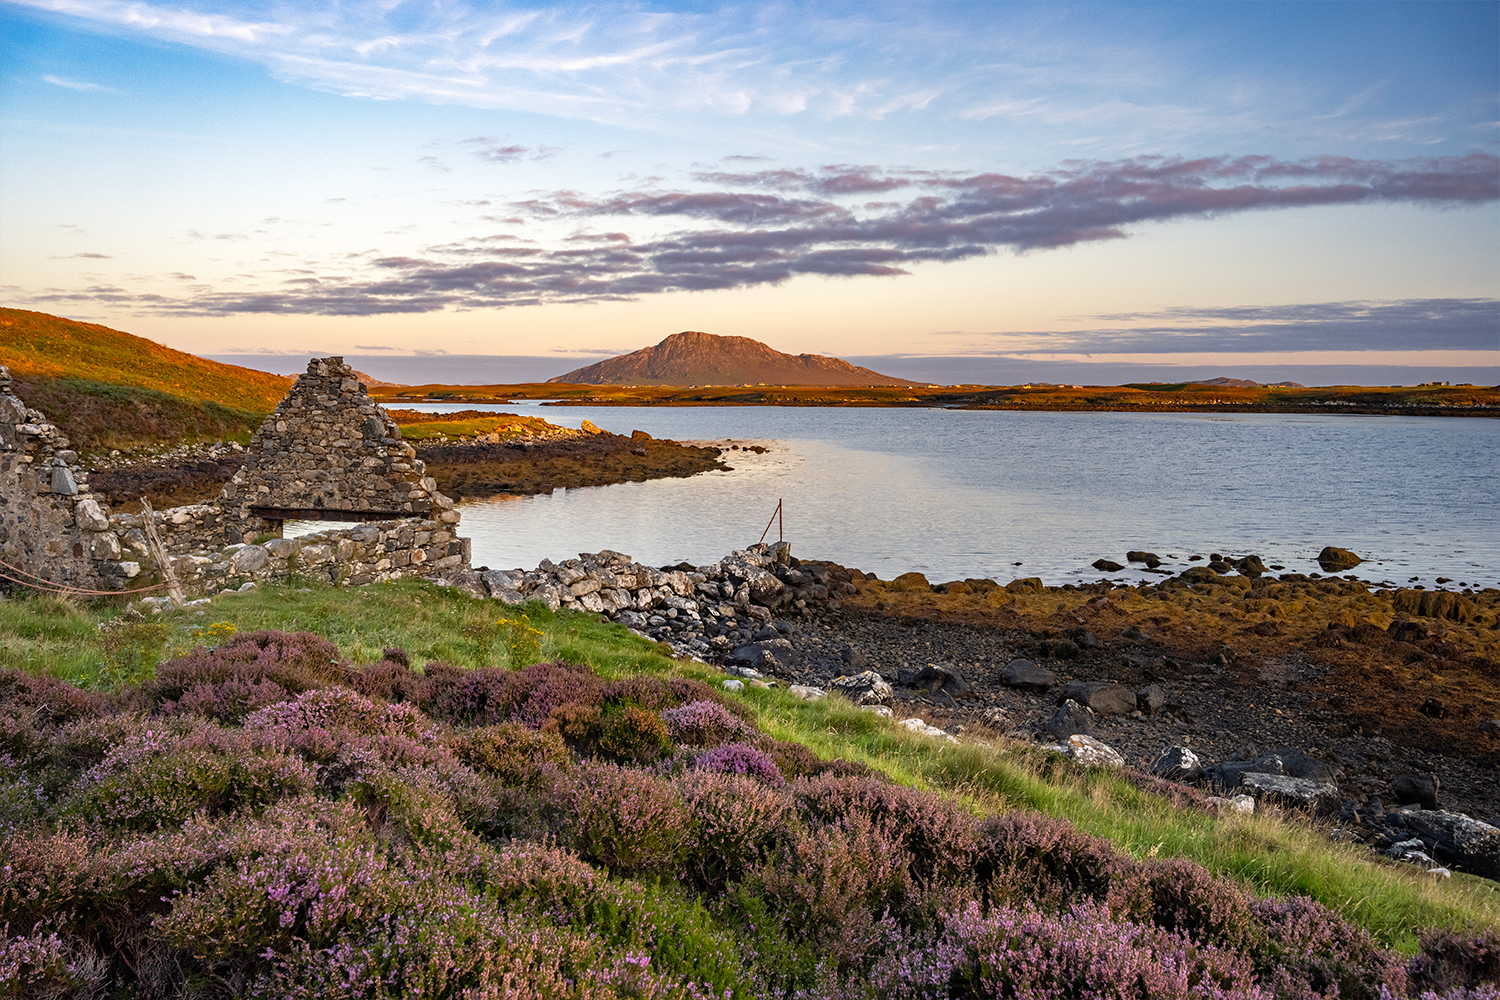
321,514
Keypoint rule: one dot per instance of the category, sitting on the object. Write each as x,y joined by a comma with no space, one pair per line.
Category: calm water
956,493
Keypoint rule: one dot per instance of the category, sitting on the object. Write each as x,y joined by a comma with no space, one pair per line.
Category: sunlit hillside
110,389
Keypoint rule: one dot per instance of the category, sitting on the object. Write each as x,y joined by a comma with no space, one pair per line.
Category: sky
964,192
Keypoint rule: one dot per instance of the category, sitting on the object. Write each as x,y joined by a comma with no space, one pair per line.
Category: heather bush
1026,856
740,758
513,753
706,724
941,836
630,821
392,680
43,964
542,687
830,885
1312,951
45,701
1027,953
793,760
635,735
245,672
738,822
1451,961
167,773
1187,899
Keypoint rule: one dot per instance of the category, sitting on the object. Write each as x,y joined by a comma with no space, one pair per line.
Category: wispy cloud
1442,324
80,85
765,227
629,64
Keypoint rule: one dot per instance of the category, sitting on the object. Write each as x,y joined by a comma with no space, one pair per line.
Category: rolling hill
110,389
693,358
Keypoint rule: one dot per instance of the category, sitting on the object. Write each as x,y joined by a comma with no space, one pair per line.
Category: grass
1272,855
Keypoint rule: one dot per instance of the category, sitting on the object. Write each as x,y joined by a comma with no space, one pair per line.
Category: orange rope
59,588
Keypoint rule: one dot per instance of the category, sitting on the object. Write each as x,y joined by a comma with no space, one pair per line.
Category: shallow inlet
956,493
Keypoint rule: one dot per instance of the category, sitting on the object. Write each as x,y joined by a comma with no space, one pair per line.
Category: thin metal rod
774,514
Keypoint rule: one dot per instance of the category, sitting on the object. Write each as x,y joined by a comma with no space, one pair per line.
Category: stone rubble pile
726,607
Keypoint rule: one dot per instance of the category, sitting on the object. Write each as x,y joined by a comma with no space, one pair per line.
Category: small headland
470,454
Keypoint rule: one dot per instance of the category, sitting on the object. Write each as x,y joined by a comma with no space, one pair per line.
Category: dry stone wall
51,527
329,448
332,449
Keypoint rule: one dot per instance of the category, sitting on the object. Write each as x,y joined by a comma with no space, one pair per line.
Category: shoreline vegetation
307,790
1188,397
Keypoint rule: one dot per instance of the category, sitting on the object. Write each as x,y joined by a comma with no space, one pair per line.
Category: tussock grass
1271,854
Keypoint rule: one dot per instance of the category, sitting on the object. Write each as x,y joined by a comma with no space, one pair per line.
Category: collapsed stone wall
53,529
329,448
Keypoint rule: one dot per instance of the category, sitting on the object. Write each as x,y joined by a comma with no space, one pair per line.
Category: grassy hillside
110,389
406,797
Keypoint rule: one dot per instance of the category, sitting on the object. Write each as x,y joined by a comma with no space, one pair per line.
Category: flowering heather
264,821
706,724
740,758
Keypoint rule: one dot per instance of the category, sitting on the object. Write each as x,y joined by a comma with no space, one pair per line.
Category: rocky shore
1374,711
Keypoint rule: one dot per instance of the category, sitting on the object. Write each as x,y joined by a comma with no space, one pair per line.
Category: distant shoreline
1424,400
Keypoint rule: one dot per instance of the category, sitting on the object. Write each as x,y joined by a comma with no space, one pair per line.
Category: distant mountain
693,358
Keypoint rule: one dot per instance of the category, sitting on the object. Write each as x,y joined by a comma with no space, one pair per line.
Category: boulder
1334,559
1250,566
1177,764
249,559
1104,698
923,729
63,482
805,692
1150,699
1316,797
1227,774
733,685
1198,574
89,516
910,583
754,654
1107,565
1091,752
1026,585
1461,840
1300,764
881,710
1419,789
1243,805
941,677
1071,719
1433,604
1403,630
1061,649
1151,559
867,688
1027,676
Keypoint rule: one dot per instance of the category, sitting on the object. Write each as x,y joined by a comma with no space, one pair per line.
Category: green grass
1272,855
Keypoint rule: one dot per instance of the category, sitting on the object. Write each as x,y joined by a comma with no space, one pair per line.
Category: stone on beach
867,688
1027,676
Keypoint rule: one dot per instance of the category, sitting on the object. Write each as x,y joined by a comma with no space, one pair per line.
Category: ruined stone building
327,453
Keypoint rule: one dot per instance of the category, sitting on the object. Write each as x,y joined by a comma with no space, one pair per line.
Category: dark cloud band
763,227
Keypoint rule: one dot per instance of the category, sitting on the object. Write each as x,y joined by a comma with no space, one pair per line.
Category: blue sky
1224,184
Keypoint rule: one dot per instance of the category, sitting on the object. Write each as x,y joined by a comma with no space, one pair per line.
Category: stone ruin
327,453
